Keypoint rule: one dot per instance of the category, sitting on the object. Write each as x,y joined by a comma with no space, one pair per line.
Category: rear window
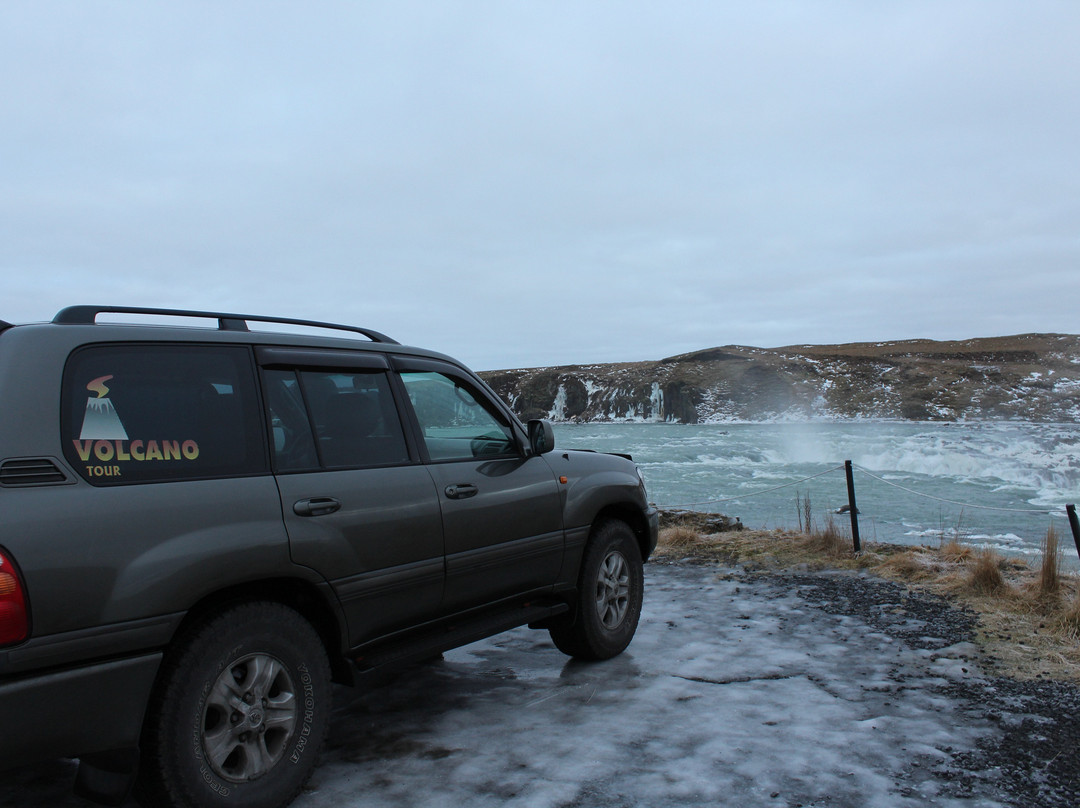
148,413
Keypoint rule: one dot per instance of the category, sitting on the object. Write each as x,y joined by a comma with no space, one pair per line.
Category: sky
521,184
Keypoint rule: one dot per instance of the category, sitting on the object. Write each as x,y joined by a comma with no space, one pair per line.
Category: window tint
352,414
290,429
457,425
158,412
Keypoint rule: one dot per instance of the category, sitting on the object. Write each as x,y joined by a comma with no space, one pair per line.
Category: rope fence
853,511
965,505
752,494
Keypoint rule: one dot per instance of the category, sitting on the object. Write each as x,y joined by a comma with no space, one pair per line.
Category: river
994,484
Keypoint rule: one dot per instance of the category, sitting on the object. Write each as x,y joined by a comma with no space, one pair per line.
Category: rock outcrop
1031,377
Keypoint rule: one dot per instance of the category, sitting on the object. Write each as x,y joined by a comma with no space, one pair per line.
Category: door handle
316,506
461,491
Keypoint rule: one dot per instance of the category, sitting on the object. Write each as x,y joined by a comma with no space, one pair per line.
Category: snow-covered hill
1031,377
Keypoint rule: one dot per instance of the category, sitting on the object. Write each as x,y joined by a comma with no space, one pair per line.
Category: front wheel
240,713
609,595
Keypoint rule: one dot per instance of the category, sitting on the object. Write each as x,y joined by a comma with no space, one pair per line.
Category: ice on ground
728,695
737,691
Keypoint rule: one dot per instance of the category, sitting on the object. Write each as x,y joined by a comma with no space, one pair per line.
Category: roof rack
87,315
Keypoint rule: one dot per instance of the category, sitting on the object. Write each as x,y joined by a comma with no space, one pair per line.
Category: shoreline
816,420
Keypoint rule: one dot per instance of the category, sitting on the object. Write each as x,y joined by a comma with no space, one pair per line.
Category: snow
558,407
656,403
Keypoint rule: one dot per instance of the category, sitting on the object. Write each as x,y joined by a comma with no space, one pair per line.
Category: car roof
184,325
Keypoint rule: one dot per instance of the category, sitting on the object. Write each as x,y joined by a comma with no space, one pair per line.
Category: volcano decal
101,421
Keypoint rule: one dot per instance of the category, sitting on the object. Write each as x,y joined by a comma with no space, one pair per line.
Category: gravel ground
1034,757
741,688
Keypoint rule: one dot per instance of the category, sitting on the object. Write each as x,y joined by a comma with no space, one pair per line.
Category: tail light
14,614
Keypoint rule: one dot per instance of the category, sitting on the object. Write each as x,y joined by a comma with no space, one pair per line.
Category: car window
145,413
457,424
333,419
291,439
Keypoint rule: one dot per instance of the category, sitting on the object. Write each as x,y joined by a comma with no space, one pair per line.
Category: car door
358,505
501,507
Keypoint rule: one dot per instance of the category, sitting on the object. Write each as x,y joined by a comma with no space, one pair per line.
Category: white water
1001,472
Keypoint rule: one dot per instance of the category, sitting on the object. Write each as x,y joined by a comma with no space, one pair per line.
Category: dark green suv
201,528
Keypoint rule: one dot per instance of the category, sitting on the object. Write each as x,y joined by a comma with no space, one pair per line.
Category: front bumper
652,520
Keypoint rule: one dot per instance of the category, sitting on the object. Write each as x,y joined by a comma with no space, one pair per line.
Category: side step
454,633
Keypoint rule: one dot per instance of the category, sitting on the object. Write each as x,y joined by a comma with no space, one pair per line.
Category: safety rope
860,469
952,501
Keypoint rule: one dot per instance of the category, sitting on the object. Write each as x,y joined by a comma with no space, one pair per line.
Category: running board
453,634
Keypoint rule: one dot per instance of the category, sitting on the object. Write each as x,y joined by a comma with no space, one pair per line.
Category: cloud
636,176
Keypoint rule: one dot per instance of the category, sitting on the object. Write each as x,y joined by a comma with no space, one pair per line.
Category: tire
239,713
609,594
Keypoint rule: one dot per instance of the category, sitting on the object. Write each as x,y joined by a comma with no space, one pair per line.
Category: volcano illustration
101,421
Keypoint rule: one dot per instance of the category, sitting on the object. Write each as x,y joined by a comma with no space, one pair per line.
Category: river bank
1027,619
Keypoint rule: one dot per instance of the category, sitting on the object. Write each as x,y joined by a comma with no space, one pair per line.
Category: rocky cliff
1031,377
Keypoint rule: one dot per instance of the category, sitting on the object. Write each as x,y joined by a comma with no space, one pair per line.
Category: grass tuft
910,565
1045,590
679,536
1068,622
1050,570
830,541
985,577
956,552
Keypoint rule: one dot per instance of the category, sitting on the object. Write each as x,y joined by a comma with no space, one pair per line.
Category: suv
203,528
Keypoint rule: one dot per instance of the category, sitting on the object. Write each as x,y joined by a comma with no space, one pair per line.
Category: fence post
851,506
1075,525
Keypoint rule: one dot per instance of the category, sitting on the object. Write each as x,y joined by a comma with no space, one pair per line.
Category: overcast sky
535,183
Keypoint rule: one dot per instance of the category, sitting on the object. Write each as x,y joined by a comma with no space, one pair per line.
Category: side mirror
541,436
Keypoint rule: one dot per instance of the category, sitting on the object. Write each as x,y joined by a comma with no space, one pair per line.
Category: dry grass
985,576
1029,620
1045,591
913,565
678,537
1024,643
805,512
956,552
830,541
1068,622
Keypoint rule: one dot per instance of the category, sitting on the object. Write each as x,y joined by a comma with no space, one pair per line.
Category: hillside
1031,377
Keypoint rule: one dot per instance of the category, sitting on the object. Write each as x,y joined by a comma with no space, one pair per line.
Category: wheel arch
630,514
301,596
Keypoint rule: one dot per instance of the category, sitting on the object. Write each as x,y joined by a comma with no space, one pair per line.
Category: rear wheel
609,595
240,712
